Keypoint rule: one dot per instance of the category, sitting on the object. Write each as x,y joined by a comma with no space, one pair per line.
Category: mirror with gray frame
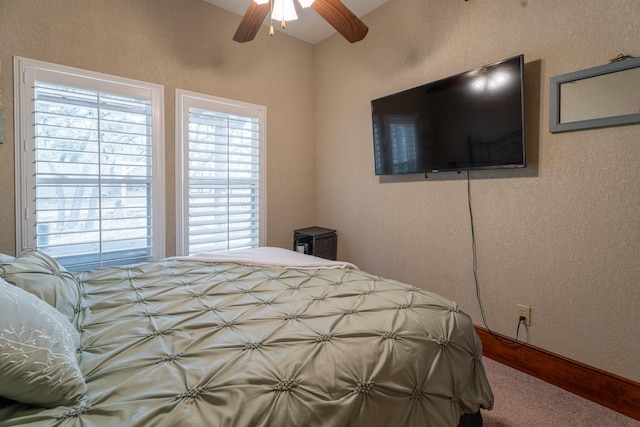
608,95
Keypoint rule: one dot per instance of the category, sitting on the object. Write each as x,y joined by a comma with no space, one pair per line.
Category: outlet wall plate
524,310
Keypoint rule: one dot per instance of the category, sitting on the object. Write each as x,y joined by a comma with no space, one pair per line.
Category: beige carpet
522,400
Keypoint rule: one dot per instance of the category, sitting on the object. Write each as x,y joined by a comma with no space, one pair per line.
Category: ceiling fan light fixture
333,11
284,10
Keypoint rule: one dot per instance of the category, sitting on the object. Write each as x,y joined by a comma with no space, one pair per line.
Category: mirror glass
608,95
613,94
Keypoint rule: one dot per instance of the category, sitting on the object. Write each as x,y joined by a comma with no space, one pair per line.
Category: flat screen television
473,120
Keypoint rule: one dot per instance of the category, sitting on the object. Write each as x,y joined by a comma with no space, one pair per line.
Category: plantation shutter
91,201
223,178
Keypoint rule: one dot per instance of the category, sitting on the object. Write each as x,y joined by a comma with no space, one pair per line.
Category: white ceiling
310,26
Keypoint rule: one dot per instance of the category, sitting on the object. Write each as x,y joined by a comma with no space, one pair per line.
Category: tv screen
473,120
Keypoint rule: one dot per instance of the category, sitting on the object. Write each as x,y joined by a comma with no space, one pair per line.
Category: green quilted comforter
196,343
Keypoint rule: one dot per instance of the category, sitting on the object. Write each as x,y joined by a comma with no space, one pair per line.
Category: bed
261,337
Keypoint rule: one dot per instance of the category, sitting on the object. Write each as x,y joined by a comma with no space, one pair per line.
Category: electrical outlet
524,310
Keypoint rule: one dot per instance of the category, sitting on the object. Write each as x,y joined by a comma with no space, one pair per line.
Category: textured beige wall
182,44
562,236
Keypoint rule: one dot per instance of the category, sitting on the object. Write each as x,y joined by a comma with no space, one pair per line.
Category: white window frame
184,100
28,70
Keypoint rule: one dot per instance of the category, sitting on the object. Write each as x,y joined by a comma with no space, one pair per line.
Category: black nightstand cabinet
316,241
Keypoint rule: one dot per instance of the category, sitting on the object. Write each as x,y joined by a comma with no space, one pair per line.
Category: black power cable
475,254
522,319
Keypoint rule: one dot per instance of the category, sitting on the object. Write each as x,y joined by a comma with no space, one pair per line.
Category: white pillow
38,363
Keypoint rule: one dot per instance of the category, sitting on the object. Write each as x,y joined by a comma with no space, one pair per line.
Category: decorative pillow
41,275
4,258
38,364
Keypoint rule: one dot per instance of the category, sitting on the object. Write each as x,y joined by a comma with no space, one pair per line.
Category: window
89,158
220,174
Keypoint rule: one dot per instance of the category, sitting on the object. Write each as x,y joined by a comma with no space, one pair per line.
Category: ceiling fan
333,11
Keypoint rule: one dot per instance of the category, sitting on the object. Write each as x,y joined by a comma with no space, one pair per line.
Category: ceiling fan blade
251,22
341,18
